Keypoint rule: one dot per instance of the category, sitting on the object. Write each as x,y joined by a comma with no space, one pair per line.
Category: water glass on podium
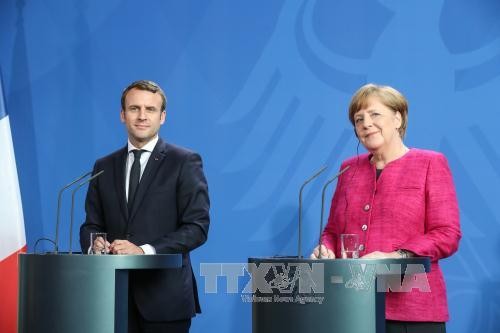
349,246
98,242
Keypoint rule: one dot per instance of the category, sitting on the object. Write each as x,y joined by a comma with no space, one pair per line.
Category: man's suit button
128,235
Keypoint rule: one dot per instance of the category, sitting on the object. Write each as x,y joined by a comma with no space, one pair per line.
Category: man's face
142,116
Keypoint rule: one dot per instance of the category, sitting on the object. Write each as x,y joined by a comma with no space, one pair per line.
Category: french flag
12,236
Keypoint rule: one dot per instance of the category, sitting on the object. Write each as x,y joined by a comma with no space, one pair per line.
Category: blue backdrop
260,89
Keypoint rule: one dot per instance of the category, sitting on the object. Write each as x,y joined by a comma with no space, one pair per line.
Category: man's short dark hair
148,86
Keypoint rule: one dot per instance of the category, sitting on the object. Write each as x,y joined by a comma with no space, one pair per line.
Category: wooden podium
343,295
62,293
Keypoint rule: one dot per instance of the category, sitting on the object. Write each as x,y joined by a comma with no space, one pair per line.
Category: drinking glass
98,242
349,246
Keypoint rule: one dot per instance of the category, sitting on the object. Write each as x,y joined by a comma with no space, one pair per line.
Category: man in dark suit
152,198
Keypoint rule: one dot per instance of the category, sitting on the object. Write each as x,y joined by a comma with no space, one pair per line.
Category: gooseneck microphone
73,207
299,255
323,205
58,213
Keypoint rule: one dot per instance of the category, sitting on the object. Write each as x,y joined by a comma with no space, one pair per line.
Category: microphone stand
323,205
58,213
299,255
73,207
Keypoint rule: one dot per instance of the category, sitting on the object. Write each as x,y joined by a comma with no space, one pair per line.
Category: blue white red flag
12,235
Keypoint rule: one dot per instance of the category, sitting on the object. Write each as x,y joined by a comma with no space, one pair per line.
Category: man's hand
326,253
100,246
120,246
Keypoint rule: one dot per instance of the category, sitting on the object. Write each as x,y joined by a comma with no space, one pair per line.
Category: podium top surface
157,261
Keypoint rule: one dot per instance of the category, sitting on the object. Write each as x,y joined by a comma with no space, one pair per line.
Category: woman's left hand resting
382,255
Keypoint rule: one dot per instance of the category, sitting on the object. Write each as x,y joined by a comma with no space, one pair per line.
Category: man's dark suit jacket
170,212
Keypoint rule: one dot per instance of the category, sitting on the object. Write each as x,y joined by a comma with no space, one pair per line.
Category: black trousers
137,324
392,326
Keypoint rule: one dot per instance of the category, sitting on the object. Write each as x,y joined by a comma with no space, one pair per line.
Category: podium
343,295
61,293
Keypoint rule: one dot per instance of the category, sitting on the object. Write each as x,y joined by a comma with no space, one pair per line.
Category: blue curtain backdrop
260,88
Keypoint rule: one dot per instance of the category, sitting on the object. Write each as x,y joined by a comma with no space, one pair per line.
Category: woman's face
377,126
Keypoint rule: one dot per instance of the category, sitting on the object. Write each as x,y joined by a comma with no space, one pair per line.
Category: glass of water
349,246
98,242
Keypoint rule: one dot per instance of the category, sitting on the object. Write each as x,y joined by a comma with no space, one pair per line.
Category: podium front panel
303,295
79,293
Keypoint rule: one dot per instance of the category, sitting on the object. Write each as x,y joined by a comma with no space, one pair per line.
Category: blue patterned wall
260,88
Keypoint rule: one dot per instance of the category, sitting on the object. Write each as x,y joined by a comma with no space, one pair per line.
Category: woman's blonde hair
388,96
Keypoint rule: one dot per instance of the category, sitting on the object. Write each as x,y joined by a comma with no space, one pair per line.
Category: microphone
58,213
73,207
323,204
300,207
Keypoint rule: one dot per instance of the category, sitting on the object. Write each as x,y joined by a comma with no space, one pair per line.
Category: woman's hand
382,255
326,253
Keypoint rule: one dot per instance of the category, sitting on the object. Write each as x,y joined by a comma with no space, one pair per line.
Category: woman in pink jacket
400,201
